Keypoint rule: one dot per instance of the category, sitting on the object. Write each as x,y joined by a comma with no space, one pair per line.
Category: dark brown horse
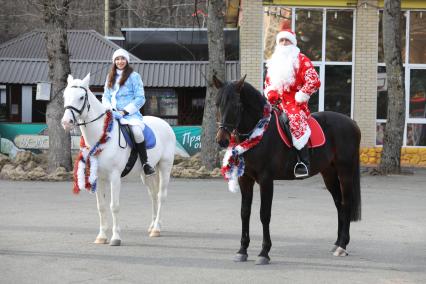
240,106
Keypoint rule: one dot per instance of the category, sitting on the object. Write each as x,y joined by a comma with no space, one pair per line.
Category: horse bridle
232,129
79,111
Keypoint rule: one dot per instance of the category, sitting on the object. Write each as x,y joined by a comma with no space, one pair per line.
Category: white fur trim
93,175
285,34
233,185
121,52
301,97
131,108
80,175
299,143
226,157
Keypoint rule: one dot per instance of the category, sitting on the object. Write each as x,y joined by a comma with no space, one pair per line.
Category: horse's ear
217,83
70,79
86,81
240,83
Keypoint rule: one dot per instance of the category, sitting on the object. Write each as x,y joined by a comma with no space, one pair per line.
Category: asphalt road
46,235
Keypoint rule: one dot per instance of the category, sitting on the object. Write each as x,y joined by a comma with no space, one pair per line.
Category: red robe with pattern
306,81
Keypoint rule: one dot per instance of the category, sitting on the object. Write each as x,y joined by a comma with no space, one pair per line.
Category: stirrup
148,170
301,165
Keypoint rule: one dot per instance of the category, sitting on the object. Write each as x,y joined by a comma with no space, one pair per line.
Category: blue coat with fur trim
129,97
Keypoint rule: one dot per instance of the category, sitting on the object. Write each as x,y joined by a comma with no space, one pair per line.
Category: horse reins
79,111
232,129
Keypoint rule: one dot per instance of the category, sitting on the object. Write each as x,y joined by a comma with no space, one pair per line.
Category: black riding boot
301,169
147,169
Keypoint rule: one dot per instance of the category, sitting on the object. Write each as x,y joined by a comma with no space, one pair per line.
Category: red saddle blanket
317,138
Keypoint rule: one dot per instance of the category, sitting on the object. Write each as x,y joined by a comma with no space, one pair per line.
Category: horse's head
229,109
76,101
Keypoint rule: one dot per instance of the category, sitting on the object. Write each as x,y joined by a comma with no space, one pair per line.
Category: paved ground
46,235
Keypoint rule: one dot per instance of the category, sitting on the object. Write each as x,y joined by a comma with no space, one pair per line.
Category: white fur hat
287,34
121,52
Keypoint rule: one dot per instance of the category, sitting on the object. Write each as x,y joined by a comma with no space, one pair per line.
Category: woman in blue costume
124,94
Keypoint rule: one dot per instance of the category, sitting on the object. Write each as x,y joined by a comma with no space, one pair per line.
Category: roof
82,45
154,73
23,60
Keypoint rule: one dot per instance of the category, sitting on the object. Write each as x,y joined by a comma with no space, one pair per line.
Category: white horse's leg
103,223
115,207
162,184
152,184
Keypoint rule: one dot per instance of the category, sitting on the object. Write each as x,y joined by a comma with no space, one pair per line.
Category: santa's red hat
287,34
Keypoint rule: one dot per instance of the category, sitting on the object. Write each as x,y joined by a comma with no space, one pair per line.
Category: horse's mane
252,97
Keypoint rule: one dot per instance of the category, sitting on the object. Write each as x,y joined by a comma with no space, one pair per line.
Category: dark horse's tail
355,214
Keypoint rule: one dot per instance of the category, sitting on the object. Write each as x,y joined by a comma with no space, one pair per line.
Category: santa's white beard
282,66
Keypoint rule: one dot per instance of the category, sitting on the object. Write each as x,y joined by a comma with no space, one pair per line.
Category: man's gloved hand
301,97
272,97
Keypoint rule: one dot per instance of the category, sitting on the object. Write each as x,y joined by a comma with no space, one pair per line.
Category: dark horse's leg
266,195
339,183
332,183
246,186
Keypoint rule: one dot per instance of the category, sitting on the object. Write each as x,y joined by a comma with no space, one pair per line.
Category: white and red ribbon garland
86,164
233,161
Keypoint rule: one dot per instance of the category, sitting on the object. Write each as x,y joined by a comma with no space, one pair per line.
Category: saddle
150,142
317,138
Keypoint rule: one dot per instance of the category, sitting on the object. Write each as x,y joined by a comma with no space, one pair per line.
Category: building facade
344,41
175,89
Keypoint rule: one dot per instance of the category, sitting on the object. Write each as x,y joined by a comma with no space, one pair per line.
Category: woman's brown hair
111,75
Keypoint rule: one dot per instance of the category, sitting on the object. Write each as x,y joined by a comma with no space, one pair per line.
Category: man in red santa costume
290,81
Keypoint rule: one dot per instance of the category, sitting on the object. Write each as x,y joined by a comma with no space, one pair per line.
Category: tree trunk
393,135
215,25
55,17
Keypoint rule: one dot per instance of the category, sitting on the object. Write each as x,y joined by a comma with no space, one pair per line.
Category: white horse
84,109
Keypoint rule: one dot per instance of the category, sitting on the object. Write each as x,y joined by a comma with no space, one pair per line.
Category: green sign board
188,138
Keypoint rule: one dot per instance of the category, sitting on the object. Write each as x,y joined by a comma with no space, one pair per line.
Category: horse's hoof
149,230
154,234
333,249
240,257
115,243
101,241
261,260
340,252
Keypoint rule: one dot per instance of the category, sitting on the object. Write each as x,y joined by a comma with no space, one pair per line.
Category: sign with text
189,137
41,142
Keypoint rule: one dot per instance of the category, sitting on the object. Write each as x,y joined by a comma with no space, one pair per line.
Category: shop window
339,35
162,103
309,32
381,55
337,93
416,134
382,93
380,132
417,103
3,103
39,108
417,37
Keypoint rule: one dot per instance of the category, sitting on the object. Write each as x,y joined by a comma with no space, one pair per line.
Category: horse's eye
81,98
